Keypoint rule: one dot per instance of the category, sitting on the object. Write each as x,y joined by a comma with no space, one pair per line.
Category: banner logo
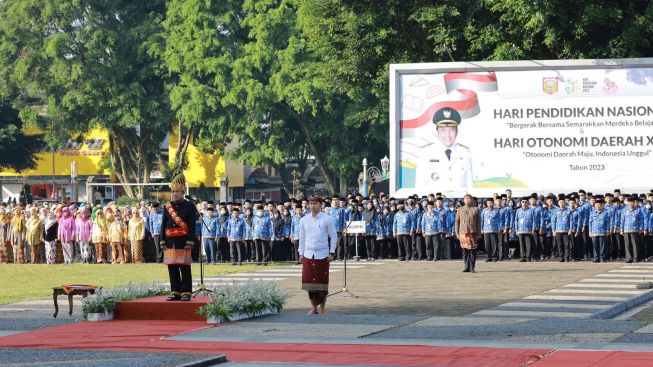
550,85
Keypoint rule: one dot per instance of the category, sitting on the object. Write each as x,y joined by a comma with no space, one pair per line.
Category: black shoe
495,260
402,260
185,297
173,297
473,271
522,260
466,271
488,260
596,261
562,260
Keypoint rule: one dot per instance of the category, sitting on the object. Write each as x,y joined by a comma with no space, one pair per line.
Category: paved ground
441,289
505,304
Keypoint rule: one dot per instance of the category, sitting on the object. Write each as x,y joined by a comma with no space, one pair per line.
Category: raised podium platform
157,308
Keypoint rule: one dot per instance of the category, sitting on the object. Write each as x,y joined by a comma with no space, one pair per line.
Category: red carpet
120,335
157,308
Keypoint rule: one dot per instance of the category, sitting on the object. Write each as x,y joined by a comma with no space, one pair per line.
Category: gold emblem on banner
550,85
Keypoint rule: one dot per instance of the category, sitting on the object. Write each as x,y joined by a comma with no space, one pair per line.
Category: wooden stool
70,291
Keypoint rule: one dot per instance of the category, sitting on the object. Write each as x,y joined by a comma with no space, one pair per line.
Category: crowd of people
564,227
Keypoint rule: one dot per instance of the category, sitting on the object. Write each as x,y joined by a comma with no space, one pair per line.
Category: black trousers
563,243
181,279
434,246
547,246
631,242
370,244
600,250
295,250
491,241
340,247
262,251
223,249
158,251
525,246
469,258
417,244
536,246
618,251
236,251
588,246
403,246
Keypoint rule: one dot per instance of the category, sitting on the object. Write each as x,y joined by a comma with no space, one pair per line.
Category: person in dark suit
177,240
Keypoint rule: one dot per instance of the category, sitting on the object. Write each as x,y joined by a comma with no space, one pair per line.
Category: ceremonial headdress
446,116
178,181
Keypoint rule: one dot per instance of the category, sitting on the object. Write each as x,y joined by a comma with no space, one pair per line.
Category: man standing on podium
177,234
317,247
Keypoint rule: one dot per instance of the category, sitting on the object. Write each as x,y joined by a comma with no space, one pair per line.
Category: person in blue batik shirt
525,228
599,228
490,227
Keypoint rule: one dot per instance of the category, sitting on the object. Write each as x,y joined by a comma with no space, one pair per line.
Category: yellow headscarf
101,220
17,221
4,218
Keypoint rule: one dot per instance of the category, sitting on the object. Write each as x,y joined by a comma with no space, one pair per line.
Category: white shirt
317,236
434,169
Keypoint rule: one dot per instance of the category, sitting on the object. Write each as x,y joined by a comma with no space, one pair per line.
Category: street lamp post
364,193
385,165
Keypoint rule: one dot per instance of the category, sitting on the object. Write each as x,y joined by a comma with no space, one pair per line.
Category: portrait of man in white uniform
444,164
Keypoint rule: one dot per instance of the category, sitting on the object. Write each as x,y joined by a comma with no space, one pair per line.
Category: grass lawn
28,282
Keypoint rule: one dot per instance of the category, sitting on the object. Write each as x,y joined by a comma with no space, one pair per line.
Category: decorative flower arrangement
236,301
105,301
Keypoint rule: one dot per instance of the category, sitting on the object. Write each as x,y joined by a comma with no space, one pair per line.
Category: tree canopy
283,79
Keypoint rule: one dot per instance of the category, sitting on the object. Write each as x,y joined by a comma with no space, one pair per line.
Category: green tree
90,64
17,151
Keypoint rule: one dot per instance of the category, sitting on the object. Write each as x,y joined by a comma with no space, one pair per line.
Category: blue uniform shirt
262,228
156,219
524,221
433,223
561,221
632,220
402,224
338,216
236,229
210,226
599,223
491,220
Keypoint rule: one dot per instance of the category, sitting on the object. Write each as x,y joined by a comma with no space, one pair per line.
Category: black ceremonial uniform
174,236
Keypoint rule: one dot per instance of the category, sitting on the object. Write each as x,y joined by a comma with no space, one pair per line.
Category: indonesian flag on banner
460,94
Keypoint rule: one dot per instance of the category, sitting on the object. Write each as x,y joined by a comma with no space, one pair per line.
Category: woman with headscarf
17,235
100,234
371,227
34,232
115,237
66,234
136,235
250,248
50,230
5,225
83,227
127,215
277,236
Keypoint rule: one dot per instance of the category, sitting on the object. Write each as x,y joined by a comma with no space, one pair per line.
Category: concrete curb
207,362
623,306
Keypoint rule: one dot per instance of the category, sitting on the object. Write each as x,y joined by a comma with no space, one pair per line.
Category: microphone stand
344,289
201,289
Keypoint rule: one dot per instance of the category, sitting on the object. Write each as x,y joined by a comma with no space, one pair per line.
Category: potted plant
238,301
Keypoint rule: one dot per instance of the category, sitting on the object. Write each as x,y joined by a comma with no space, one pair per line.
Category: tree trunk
118,164
328,177
287,185
184,138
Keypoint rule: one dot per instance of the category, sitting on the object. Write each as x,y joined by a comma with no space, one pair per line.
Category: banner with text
532,131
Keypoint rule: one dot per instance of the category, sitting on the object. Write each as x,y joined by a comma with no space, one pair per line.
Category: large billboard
532,126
